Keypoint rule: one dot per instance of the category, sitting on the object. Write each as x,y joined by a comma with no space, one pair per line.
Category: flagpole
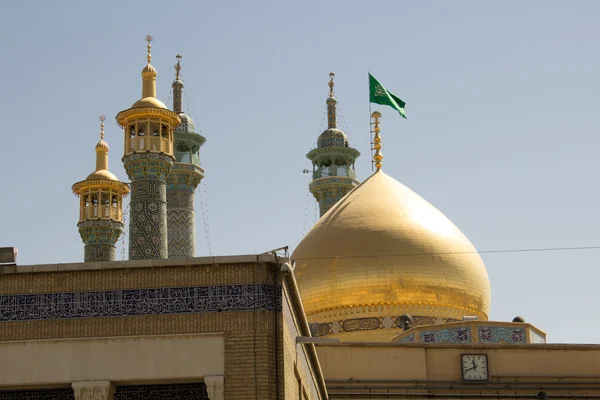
370,131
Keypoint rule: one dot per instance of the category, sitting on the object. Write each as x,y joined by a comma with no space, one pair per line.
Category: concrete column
94,390
215,387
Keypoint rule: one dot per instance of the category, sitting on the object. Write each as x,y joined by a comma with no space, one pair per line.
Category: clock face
474,367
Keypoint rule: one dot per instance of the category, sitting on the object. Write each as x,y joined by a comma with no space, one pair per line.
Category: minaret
100,207
148,158
332,160
183,180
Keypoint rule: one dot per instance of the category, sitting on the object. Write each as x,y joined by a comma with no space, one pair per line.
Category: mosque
383,298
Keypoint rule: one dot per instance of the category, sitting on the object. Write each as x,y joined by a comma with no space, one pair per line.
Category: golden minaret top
102,148
148,99
149,74
377,157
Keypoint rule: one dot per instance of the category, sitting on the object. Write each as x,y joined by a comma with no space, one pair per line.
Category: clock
474,367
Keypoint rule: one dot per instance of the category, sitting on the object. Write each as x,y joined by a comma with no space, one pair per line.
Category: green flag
380,95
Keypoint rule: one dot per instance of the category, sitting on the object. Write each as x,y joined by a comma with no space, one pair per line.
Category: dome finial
102,148
331,84
102,119
149,74
149,39
177,66
377,157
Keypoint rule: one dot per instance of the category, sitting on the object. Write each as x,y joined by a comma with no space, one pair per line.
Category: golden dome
383,251
149,102
102,174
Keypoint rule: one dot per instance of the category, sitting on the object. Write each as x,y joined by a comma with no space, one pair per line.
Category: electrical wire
527,250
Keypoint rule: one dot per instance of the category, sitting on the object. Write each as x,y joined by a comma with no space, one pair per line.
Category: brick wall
252,338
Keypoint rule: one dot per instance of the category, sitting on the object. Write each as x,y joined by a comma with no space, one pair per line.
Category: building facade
205,328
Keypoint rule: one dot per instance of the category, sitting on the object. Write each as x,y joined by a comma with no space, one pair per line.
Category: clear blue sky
502,99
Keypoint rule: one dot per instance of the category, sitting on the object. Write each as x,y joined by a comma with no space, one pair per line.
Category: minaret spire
149,73
331,104
177,86
178,66
102,148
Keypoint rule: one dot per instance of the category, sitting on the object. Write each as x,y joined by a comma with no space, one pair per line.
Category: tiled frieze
130,302
470,332
447,335
372,323
38,394
500,334
133,392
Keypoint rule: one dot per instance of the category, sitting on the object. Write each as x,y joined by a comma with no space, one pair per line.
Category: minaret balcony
148,143
341,171
100,212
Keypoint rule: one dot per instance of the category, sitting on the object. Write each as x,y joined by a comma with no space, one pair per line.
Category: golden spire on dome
149,70
102,146
149,74
102,119
149,39
377,157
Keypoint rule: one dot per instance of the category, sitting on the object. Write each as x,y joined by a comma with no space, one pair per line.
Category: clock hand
474,366
468,369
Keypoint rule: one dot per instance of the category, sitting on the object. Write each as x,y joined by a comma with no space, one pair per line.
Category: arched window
131,131
154,129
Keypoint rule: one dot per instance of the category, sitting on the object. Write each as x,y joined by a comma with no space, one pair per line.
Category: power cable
530,250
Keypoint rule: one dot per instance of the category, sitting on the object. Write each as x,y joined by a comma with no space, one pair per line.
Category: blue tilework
137,392
187,391
536,338
408,339
495,334
38,394
113,303
450,335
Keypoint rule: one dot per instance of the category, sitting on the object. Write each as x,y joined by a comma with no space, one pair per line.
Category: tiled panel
110,303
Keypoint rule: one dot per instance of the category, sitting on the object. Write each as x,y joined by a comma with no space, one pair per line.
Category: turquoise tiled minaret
148,159
333,161
183,180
